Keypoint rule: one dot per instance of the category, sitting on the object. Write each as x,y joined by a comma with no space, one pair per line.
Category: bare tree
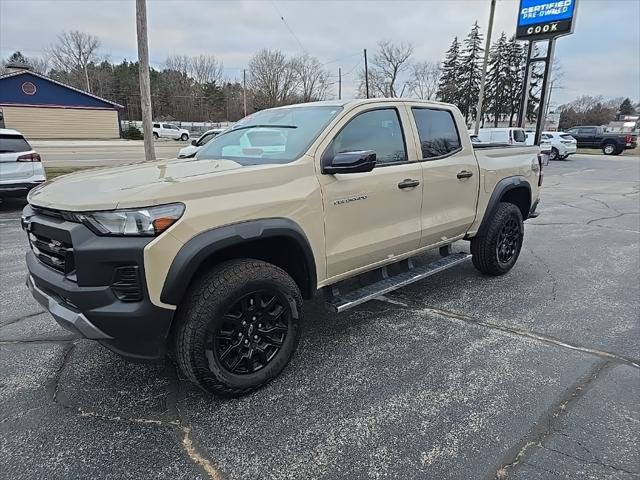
313,79
178,63
75,50
205,69
389,62
272,79
39,65
424,79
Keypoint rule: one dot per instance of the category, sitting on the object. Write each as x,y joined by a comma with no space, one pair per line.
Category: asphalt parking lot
534,375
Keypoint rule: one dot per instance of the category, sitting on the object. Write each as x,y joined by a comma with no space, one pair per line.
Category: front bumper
86,300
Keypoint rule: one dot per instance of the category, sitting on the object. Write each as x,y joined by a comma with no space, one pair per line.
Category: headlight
149,221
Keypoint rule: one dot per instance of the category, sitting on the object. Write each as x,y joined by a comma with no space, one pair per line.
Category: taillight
628,138
29,157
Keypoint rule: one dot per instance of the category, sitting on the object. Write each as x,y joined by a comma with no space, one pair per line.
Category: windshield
278,135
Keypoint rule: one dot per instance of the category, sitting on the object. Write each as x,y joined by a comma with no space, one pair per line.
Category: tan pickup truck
210,258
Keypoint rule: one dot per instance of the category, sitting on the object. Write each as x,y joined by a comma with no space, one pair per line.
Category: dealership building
42,108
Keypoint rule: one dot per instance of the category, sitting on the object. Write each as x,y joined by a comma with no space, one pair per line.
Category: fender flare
502,187
198,249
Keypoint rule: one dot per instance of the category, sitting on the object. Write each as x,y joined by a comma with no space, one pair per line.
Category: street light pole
339,83
484,68
145,87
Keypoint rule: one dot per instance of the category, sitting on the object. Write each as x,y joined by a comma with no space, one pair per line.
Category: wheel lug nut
253,318
244,323
240,334
259,325
255,337
246,341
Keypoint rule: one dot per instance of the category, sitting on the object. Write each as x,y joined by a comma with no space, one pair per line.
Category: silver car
20,165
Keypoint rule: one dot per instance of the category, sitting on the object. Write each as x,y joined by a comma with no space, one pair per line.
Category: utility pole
145,87
366,73
483,80
339,83
244,90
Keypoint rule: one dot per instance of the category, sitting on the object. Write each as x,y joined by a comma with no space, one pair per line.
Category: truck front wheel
496,249
238,327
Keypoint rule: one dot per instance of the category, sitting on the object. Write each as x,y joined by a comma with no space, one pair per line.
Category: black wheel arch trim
502,187
201,247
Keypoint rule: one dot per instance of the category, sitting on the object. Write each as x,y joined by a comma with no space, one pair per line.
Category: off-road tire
209,298
484,247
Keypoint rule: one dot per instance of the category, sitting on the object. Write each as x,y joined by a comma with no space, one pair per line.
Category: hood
137,185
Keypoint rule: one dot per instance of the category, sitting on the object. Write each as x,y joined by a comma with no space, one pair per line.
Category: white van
505,136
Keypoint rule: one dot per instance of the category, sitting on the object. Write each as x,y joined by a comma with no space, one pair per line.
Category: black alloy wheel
251,333
508,240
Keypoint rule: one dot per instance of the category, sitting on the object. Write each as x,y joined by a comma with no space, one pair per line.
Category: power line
288,27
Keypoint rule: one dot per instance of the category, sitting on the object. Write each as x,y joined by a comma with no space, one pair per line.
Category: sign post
540,20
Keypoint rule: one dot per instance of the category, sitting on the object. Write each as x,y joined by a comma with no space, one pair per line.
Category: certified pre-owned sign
538,19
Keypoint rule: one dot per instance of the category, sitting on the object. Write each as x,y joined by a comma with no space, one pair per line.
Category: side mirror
350,162
194,143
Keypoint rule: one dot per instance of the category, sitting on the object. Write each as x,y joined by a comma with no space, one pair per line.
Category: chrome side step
339,303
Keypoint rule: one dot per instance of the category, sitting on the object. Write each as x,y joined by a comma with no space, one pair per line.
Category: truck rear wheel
238,327
496,249
610,149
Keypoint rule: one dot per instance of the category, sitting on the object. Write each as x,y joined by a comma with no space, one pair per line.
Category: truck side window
437,131
377,130
156,125
519,136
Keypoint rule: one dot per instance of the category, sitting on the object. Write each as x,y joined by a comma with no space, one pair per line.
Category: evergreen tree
626,108
18,57
516,58
448,90
497,89
470,72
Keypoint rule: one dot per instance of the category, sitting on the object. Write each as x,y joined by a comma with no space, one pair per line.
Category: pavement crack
620,214
23,317
589,462
63,339
53,385
608,356
547,423
193,451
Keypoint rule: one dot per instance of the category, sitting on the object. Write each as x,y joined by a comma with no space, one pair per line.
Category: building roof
7,98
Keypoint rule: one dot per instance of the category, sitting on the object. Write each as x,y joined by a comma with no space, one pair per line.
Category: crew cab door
373,216
450,173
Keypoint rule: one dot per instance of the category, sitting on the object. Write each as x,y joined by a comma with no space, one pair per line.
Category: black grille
126,284
53,253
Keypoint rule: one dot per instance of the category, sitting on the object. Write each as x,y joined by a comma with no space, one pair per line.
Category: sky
602,57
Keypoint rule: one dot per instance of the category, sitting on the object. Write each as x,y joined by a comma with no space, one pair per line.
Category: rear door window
437,131
13,144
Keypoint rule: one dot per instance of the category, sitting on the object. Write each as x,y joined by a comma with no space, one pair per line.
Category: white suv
169,130
20,165
562,144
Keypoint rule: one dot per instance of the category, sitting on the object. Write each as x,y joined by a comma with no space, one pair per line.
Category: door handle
464,174
408,183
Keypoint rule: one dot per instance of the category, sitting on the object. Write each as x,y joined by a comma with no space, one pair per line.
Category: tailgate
12,170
